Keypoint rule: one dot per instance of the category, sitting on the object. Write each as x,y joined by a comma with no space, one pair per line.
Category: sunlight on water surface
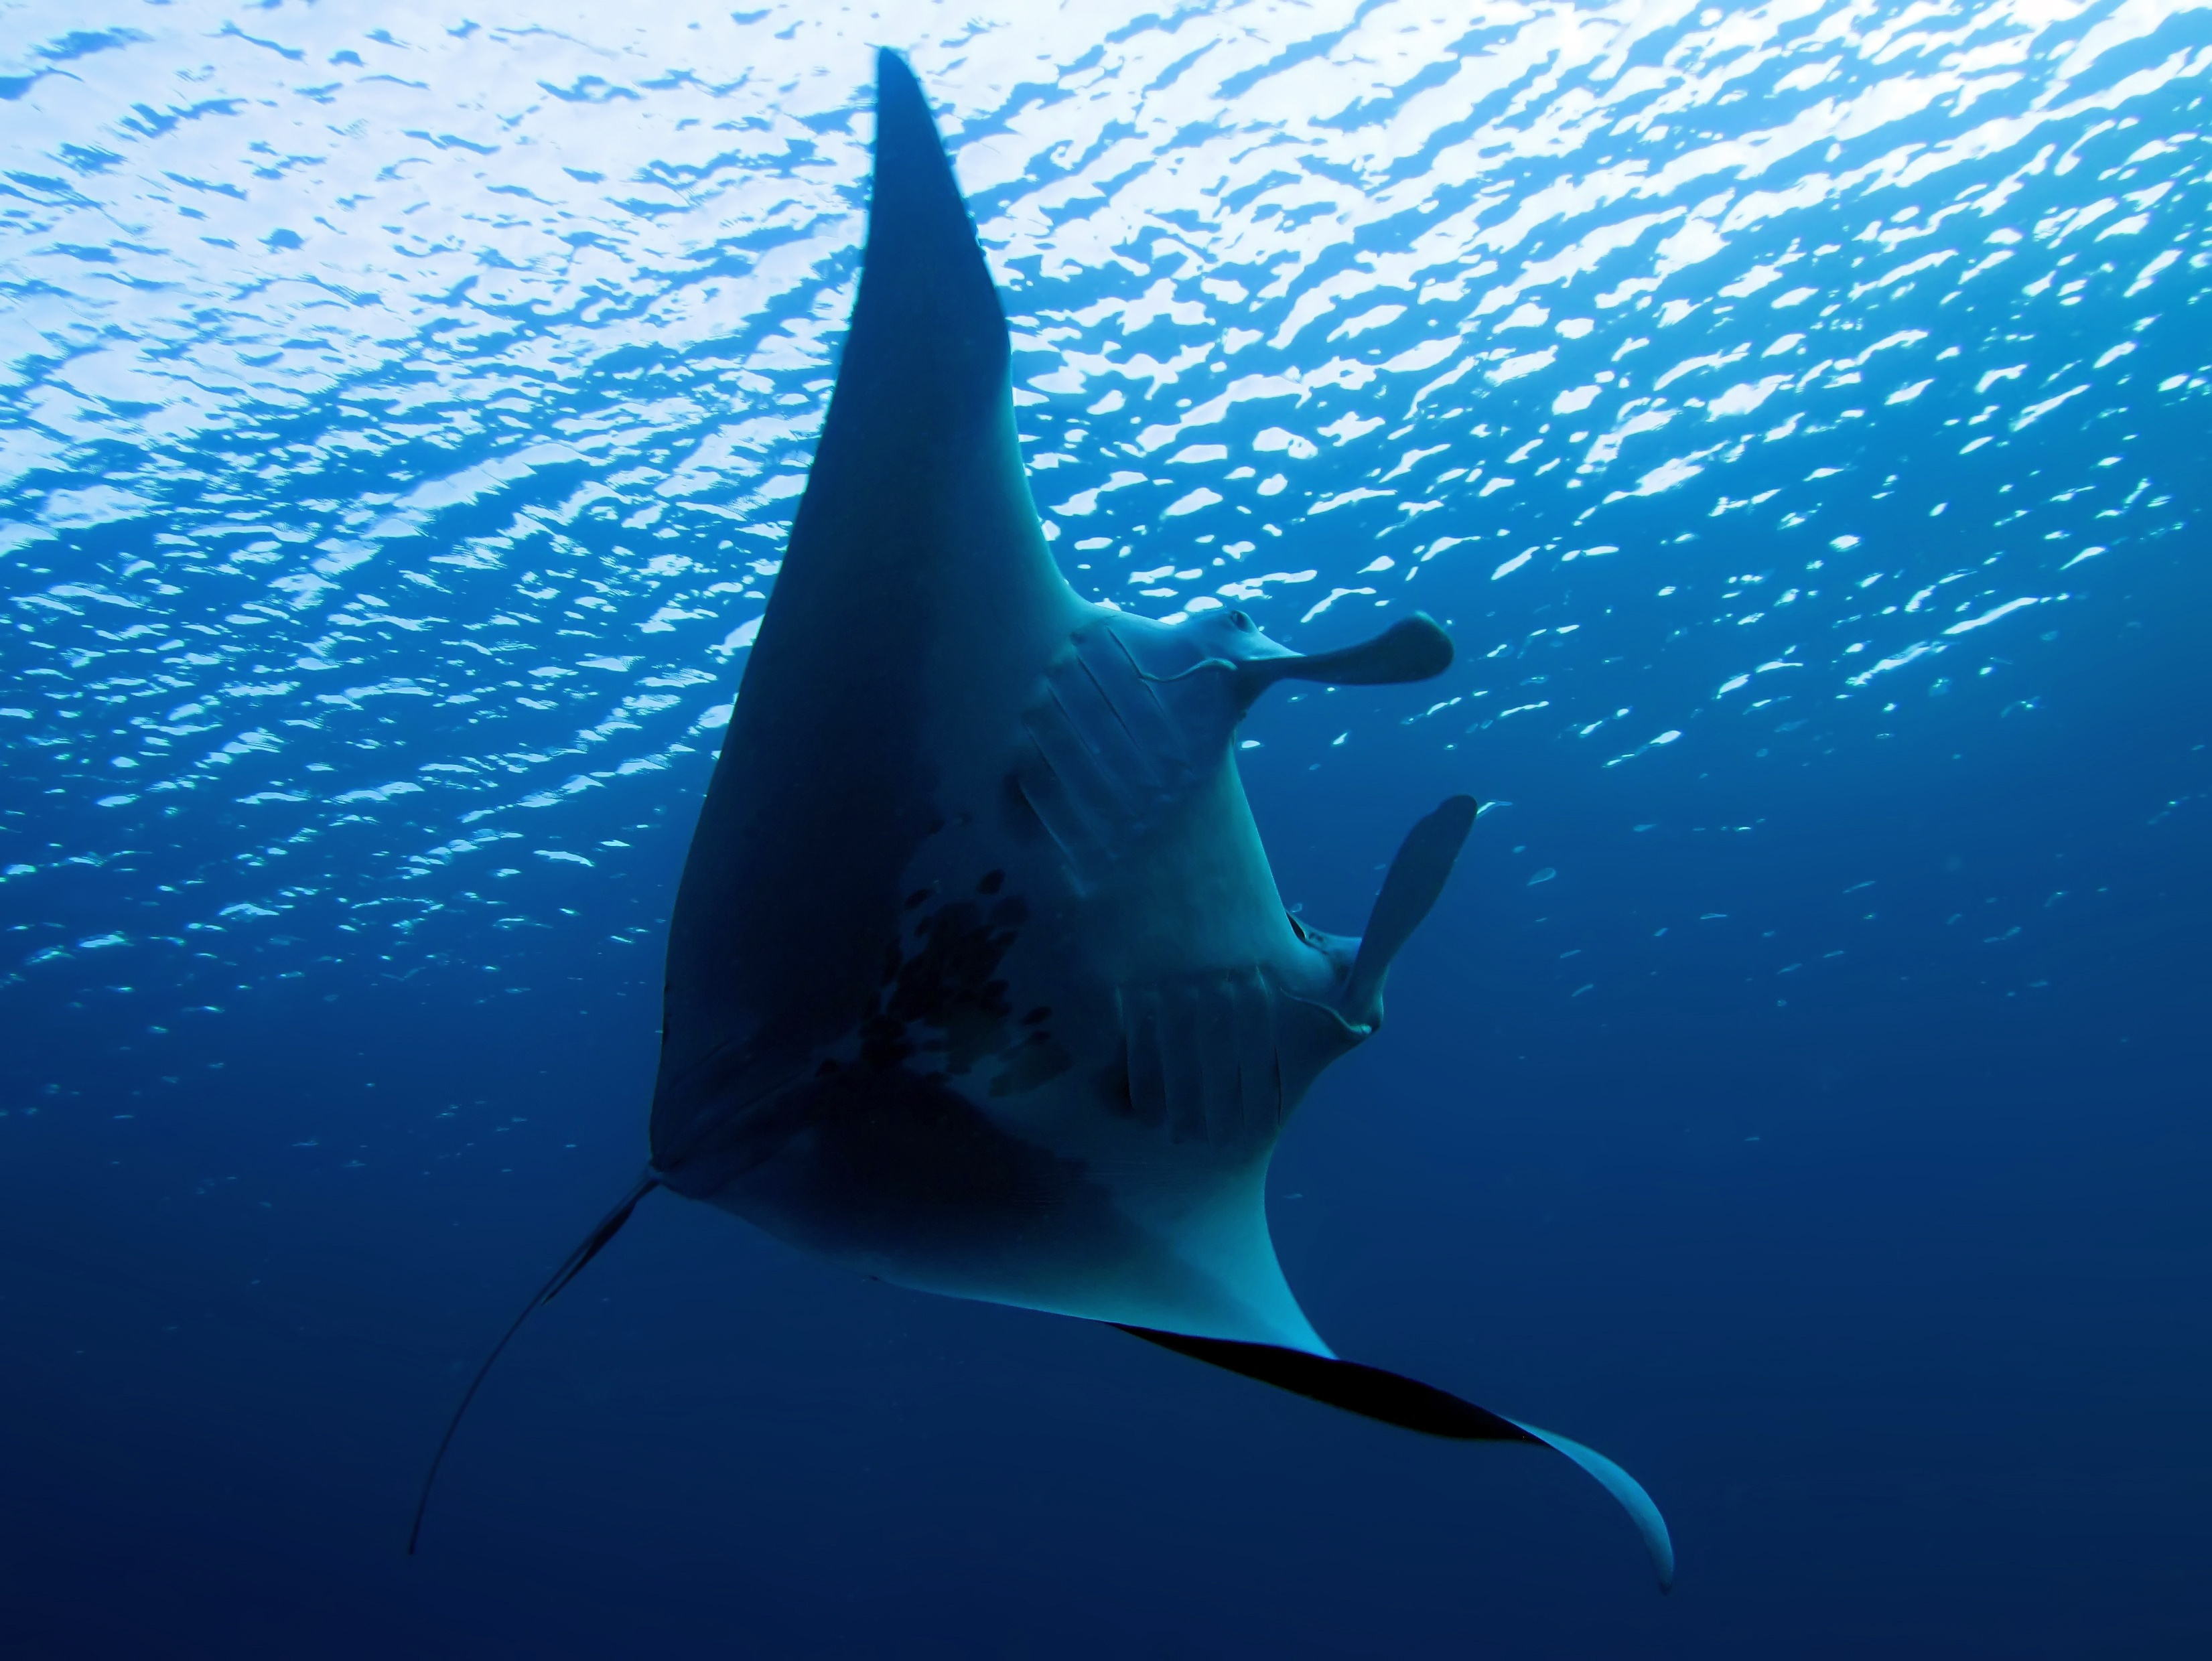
401,426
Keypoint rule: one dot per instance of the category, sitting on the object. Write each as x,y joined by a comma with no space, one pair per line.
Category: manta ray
978,980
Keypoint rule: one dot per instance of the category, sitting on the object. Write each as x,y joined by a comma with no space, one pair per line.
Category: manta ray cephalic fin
1410,890
1411,649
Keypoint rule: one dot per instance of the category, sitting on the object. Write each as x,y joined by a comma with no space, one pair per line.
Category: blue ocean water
1797,412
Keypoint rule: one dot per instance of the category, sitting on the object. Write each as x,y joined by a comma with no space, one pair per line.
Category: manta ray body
978,979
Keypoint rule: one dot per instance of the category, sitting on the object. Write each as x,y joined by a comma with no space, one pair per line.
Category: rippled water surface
1797,412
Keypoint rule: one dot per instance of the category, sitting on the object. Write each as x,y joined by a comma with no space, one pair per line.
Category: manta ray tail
1373,1393
593,1244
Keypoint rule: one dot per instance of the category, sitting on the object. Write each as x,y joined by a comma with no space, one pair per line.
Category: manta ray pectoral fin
917,600
1394,1399
572,1265
1416,878
1627,1490
1413,649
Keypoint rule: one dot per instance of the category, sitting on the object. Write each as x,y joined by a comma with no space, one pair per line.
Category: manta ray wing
916,528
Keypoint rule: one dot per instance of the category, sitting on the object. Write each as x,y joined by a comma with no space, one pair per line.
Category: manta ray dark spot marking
884,1044
991,882
950,983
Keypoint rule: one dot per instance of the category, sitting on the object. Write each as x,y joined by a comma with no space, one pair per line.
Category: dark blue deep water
1799,414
